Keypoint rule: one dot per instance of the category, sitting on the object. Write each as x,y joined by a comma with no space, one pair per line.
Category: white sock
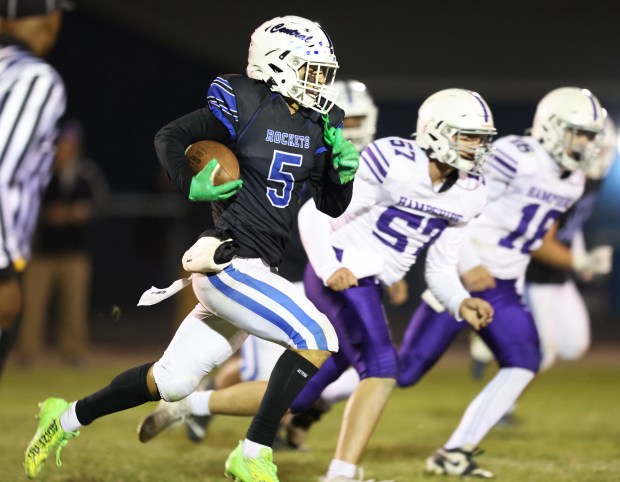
489,406
199,402
252,449
69,421
342,388
341,468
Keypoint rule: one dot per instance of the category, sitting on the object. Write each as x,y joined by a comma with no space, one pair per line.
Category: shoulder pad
247,88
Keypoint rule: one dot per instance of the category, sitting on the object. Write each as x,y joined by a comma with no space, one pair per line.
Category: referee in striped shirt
32,98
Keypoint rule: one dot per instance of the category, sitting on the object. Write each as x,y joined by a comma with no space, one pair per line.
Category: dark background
131,66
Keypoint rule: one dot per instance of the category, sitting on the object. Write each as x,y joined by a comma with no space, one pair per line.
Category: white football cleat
167,415
458,462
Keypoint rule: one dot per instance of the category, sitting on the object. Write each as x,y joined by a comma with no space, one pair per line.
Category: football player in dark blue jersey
281,123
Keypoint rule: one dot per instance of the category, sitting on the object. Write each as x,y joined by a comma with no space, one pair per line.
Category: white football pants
247,297
562,320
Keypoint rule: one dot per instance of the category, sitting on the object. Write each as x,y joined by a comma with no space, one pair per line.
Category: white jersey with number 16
527,192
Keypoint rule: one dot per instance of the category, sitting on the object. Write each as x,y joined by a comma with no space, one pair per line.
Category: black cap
12,9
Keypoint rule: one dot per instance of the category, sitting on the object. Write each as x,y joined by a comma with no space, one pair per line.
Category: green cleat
245,469
49,437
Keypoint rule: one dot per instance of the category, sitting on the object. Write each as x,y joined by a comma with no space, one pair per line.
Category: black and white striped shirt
32,99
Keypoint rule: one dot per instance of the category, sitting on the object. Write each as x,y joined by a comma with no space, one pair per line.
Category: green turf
570,431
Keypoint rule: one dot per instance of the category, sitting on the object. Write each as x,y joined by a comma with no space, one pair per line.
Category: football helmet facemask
448,122
568,123
598,166
360,122
295,57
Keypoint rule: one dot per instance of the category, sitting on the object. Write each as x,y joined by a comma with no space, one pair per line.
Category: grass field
570,429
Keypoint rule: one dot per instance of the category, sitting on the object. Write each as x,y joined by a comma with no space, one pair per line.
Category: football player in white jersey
409,194
564,328
532,180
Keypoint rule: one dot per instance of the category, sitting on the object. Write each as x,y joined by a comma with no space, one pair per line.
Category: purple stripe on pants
363,334
512,336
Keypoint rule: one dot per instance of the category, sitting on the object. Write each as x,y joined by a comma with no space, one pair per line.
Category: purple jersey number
430,227
528,213
409,154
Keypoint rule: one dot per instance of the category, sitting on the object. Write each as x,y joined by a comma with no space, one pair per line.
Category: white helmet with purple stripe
295,57
564,115
447,120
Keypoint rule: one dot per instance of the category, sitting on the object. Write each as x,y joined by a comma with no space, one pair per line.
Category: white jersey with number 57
395,212
527,192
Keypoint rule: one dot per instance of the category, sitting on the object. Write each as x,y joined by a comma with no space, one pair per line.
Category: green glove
202,189
329,133
345,156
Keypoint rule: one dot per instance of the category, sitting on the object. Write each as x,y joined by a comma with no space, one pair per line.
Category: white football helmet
448,115
598,166
560,115
360,122
295,57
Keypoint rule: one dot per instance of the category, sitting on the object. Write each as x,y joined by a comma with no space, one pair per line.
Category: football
200,153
